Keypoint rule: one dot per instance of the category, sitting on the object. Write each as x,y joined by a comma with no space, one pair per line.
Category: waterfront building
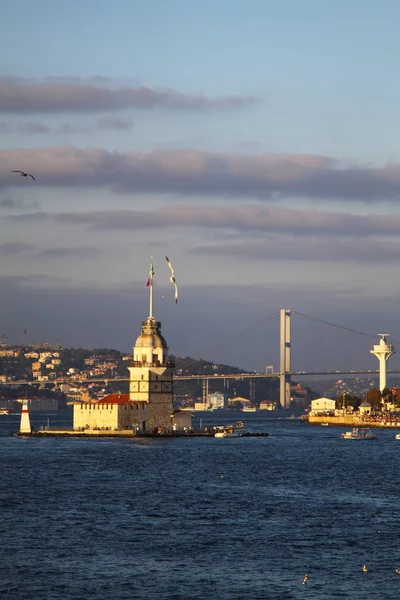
268,405
365,408
182,421
216,400
322,405
148,405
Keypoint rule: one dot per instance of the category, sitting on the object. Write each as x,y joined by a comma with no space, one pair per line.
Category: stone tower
151,373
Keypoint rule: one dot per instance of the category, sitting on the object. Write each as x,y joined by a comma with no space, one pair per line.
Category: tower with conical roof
151,373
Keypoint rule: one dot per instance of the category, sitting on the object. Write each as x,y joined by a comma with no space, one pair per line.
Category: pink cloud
194,172
80,96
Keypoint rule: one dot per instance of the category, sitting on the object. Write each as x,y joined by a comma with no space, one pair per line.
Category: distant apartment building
9,352
216,400
268,405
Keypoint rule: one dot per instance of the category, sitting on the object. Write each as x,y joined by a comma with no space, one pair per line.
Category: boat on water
324,424
359,433
230,431
249,409
4,411
397,436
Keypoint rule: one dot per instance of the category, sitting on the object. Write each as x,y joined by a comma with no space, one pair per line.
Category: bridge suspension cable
371,335
232,338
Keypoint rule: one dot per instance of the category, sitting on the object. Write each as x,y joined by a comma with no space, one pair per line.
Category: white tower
383,352
151,372
25,424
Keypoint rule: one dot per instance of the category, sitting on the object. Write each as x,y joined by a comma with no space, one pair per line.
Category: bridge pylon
285,351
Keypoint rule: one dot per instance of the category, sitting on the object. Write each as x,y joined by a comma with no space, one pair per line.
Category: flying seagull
172,278
23,174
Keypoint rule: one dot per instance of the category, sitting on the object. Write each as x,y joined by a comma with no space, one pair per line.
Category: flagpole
151,290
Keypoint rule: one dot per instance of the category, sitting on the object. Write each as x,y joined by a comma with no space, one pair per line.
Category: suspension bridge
285,372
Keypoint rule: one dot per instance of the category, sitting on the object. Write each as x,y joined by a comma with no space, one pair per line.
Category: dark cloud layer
203,324
27,96
34,251
32,127
243,219
358,250
193,172
8,203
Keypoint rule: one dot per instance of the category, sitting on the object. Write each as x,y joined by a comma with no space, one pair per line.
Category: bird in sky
23,174
172,278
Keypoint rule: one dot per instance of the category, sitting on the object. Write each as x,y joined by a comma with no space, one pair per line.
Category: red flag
148,282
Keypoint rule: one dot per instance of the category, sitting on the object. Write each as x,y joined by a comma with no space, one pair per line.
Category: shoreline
351,421
127,434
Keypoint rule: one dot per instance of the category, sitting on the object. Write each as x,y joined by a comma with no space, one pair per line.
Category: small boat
397,436
249,409
324,424
229,431
359,433
4,411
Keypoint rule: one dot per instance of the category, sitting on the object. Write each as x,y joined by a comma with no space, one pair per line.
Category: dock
127,433
352,421
122,433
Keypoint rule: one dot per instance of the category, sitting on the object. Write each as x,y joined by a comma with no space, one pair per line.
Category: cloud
243,219
114,122
191,172
359,250
29,127
19,96
18,248
32,127
74,252
17,204
106,122
14,248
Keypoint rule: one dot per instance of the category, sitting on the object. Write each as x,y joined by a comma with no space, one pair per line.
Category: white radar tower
383,351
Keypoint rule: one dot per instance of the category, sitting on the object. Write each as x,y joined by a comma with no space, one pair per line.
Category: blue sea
235,519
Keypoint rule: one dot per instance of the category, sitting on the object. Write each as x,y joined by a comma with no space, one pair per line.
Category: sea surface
119,519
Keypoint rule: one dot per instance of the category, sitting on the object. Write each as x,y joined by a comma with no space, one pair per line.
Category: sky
255,143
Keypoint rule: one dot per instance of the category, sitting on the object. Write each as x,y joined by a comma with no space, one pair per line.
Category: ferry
359,433
229,431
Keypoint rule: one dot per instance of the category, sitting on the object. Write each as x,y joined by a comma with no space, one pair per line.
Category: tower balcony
143,363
